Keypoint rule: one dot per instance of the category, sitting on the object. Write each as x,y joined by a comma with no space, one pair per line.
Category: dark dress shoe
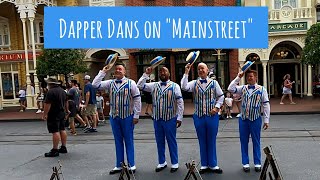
113,171
160,168
246,169
172,170
218,171
52,153
257,169
202,171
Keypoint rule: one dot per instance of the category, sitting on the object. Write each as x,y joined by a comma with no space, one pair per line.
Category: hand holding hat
111,59
149,70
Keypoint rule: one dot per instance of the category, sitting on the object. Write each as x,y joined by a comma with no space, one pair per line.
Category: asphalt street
295,142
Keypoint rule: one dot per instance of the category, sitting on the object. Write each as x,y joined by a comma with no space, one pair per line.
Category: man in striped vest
208,98
167,114
125,107
253,97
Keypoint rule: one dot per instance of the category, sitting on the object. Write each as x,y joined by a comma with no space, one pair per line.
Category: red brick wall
133,67
233,64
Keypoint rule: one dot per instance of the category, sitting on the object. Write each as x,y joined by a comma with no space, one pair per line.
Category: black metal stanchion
271,162
56,172
192,171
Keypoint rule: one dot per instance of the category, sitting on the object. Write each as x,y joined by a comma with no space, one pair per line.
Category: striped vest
120,99
164,102
251,103
204,99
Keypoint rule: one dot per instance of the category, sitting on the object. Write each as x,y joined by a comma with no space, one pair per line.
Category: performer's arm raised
233,87
142,85
185,85
98,83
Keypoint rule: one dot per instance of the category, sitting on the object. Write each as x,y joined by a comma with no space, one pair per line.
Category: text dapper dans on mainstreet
180,29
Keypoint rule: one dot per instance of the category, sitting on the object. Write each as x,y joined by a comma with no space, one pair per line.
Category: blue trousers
123,132
166,130
207,130
253,128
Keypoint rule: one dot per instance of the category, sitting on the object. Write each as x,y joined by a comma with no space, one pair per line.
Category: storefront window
7,86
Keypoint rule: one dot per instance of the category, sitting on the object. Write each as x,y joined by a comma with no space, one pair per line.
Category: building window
4,32
318,13
278,4
38,31
150,2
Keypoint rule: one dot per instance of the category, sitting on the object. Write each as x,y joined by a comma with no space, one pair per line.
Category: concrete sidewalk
302,106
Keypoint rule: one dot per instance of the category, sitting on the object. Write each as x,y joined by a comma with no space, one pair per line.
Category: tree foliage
311,50
61,61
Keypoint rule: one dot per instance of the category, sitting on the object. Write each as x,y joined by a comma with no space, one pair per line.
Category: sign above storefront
288,26
16,56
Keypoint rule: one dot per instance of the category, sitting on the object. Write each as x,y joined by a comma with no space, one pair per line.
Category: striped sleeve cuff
179,97
265,102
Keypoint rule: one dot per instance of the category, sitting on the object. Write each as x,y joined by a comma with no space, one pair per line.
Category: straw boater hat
112,58
192,57
246,66
156,61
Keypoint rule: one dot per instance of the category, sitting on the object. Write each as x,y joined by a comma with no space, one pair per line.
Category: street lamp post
219,54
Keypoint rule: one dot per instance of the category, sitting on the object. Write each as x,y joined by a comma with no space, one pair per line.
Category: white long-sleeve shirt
98,83
149,87
234,88
189,86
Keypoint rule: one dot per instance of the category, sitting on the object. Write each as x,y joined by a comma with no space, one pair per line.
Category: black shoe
202,171
257,169
218,171
246,169
172,170
52,153
160,168
63,149
115,171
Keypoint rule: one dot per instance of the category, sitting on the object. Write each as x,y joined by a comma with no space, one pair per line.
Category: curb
185,116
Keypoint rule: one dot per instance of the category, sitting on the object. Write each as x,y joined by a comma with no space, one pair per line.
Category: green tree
311,50
61,61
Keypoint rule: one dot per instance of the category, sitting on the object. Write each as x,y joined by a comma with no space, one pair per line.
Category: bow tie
251,87
163,83
118,81
203,81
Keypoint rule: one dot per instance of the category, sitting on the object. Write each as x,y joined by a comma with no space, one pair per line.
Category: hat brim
190,60
246,66
51,82
113,60
158,61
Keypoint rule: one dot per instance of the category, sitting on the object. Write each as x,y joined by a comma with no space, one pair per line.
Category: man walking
89,107
125,107
253,97
167,114
208,98
54,114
